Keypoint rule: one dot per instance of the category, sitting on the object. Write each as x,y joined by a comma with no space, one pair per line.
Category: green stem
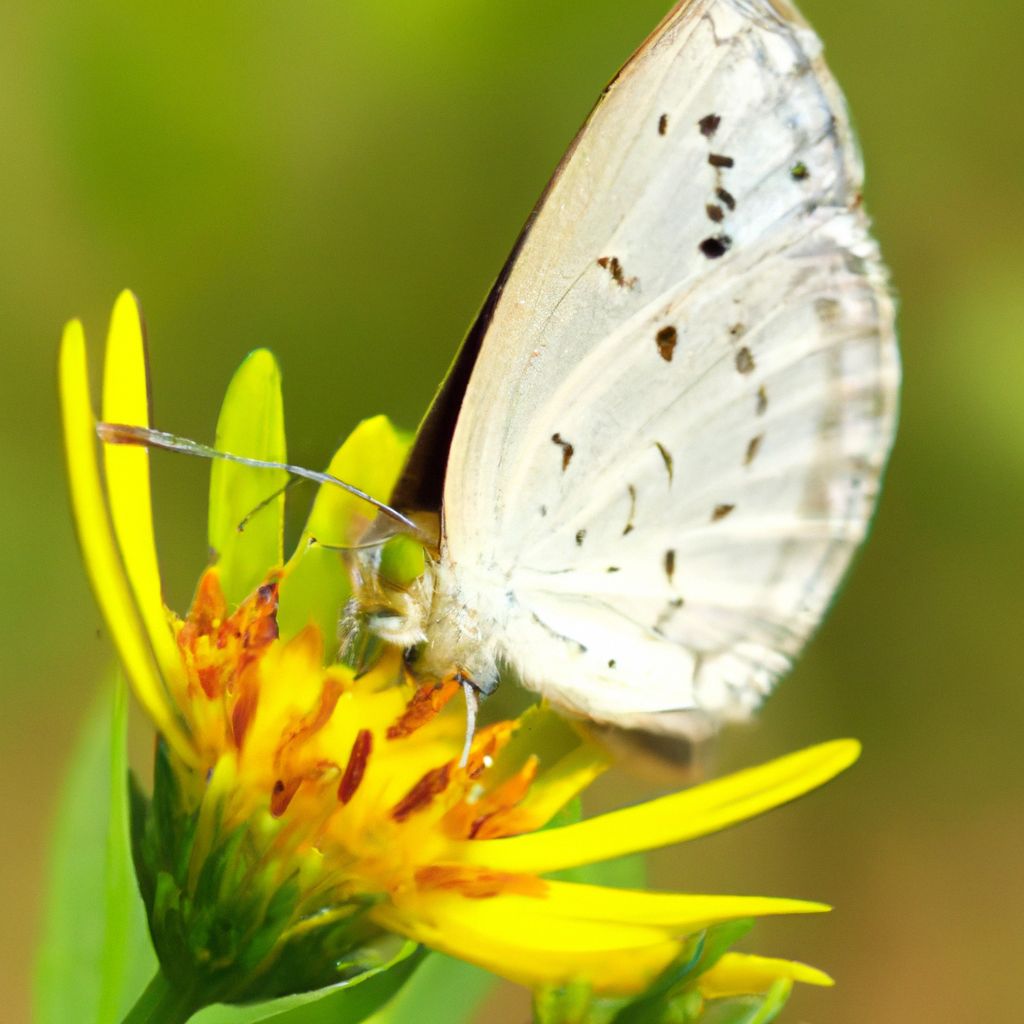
163,1003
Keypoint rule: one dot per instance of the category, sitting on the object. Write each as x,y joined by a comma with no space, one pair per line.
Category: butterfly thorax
467,612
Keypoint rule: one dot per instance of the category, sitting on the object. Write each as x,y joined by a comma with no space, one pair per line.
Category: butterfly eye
381,616
361,644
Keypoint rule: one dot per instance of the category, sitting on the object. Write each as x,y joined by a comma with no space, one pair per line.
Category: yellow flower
296,800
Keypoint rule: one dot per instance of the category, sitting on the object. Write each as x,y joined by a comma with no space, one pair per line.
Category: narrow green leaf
442,989
347,1003
251,423
95,956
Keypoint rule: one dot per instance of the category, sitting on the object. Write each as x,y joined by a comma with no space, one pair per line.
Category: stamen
479,883
424,705
429,786
281,795
356,767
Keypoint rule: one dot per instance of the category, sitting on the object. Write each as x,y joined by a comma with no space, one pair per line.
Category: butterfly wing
672,438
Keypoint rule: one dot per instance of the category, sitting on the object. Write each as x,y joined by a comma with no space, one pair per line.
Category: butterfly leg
472,696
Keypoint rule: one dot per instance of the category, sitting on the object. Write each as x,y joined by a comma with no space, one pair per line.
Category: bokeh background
340,181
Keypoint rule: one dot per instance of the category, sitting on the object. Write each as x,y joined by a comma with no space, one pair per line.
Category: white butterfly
663,439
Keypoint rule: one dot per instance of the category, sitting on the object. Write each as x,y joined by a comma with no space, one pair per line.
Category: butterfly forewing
672,438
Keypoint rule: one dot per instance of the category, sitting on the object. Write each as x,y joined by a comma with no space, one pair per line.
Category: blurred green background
341,181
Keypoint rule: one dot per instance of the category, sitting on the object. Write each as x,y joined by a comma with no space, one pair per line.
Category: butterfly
663,438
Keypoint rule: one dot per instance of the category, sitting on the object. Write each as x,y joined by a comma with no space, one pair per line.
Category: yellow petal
671,819
569,762
564,780
517,938
99,552
738,974
679,912
126,400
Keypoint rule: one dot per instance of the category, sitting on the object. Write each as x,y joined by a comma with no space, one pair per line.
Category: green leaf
251,423
442,989
95,956
349,1002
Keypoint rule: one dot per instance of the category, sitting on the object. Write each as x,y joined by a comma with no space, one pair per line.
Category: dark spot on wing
632,511
663,124
611,663
543,511
753,446
828,310
666,614
718,160
737,329
666,339
567,450
714,212
666,457
612,568
717,245
614,267
726,197
720,512
745,360
709,125
762,401
799,171
580,537
670,563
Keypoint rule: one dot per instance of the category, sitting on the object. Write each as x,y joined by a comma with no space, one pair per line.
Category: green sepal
251,423
228,922
749,1009
316,585
672,998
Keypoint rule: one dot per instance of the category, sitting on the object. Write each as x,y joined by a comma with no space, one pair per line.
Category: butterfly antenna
273,496
123,433
364,546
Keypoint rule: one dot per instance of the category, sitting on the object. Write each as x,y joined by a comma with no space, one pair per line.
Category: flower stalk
163,1003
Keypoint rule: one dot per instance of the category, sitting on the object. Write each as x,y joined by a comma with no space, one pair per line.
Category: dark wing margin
420,488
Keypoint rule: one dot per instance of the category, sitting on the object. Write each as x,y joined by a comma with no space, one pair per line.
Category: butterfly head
391,594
